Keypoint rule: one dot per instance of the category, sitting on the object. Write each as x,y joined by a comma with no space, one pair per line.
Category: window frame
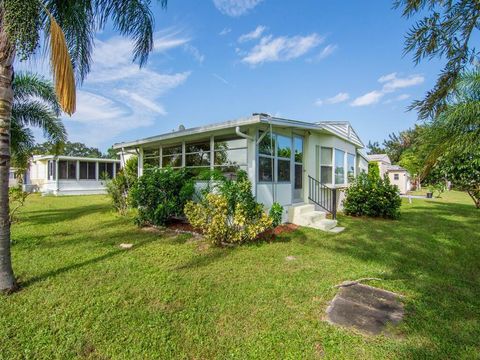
331,166
68,168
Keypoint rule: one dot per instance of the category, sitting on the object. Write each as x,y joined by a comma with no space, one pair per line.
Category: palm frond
21,145
62,68
35,113
28,85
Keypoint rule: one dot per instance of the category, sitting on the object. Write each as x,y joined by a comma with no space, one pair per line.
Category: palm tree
34,104
70,27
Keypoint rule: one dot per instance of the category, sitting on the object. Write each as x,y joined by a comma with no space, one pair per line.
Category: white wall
403,182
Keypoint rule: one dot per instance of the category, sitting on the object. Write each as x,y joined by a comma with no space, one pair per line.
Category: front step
306,215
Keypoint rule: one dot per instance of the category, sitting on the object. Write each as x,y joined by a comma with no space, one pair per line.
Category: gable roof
379,157
395,168
341,129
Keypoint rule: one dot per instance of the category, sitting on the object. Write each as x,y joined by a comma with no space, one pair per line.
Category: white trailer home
303,166
69,175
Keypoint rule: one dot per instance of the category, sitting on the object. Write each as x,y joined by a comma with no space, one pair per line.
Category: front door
298,156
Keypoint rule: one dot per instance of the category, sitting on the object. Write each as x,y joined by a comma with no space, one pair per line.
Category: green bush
373,170
161,194
275,214
372,196
118,188
229,213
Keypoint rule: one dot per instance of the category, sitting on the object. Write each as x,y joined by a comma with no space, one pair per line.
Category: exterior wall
362,164
403,182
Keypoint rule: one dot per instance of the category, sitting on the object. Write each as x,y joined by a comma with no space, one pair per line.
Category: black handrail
323,196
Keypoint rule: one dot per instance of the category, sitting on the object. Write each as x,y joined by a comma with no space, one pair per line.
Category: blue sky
217,60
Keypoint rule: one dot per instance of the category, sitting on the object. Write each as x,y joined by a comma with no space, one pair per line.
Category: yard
170,296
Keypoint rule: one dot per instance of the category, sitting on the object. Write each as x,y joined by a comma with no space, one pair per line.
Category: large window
151,157
266,157
197,156
105,169
326,164
298,158
350,167
88,170
339,167
67,170
284,154
172,156
230,154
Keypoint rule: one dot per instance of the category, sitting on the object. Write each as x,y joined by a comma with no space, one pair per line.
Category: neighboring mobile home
288,161
397,175
69,175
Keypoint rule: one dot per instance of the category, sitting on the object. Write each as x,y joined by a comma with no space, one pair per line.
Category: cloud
281,48
192,50
391,83
218,77
326,52
224,31
370,98
235,8
400,97
252,35
339,98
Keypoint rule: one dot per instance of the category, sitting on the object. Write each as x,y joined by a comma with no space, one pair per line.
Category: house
304,166
69,175
397,175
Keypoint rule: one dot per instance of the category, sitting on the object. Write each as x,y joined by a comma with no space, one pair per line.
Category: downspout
245,136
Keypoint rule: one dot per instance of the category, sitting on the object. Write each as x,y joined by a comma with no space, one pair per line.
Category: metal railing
323,196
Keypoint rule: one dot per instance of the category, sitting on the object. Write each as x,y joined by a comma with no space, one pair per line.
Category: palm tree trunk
7,278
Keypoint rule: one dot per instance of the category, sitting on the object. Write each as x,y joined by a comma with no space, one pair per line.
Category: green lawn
171,297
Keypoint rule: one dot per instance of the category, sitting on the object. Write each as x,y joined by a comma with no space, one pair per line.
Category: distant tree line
72,149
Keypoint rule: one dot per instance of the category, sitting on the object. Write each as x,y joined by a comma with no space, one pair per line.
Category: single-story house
288,161
397,175
69,175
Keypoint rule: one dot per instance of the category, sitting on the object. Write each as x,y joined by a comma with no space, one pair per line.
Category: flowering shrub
372,196
229,214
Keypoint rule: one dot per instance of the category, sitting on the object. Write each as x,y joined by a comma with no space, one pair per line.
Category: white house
302,165
397,175
69,175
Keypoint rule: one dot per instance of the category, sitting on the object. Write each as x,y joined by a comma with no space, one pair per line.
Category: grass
171,297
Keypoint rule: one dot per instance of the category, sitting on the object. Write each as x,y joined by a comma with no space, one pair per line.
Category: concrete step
325,224
306,215
315,216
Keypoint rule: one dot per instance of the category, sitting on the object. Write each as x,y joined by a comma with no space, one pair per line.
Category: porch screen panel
326,161
105,170
151,158
87,170
172,156
350,167
230,154
339,166
197,156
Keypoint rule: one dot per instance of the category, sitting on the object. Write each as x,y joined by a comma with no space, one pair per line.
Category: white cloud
218,77
370,98
235,8
192,50
252,35
281,48
224,31
339,98
327,51
391,82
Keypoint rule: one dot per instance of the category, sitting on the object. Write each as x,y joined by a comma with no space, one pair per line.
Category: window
105,169
266,157
51,169
396,177
284,154
339,166
151,158
67,170
172,156
230,154
326,161
350,167
88,170
197,154
298,148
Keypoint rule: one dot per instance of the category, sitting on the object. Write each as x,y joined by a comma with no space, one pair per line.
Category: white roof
395,168
73,158
379,157
341,129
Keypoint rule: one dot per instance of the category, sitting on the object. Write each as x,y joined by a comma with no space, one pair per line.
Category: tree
374,148
445,32
71,26
34,104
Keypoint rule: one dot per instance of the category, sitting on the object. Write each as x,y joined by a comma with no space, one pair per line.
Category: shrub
118,188
275,214
372,196
373,170
17,198
437,189
230,213
161,194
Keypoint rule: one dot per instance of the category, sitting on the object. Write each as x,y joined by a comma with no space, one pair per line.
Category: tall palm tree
34,104
69,26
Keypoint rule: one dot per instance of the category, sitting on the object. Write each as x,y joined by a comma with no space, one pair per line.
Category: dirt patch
285,229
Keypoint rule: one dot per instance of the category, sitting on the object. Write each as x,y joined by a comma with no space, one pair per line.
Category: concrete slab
365,308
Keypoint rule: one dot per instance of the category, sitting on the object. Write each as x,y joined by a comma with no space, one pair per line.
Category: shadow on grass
433,252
